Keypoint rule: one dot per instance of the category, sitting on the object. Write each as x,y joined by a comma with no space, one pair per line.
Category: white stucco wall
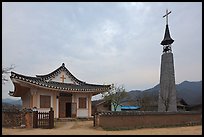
51,94
82,113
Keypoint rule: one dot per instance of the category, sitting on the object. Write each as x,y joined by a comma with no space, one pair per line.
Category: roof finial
63,64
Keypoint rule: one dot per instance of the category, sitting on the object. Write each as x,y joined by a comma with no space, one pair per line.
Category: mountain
191,92
12,101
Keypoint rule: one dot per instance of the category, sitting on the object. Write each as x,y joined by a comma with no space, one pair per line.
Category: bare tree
168,99
165,100
6,71
115,96
146,101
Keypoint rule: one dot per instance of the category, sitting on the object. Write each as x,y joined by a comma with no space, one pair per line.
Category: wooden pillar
57,106
31,101
34,98
35,119
89,105
74,106
74,110
51,118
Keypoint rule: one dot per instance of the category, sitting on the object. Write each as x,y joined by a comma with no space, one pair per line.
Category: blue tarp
130,107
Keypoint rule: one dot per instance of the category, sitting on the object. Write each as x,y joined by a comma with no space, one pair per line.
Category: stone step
73,119
65,119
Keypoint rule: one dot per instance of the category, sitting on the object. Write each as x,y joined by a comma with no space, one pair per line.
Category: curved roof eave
67,88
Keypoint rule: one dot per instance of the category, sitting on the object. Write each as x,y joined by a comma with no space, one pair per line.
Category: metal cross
167,13
63,78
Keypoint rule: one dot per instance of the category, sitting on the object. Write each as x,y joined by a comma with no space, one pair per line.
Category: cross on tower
167,13
63,78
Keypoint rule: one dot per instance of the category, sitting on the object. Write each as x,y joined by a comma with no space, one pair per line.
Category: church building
67,95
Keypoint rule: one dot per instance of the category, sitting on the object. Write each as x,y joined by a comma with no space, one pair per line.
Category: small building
100,105
182,105
67,95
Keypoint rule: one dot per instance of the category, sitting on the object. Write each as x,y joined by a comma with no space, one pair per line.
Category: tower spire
167,41
167,92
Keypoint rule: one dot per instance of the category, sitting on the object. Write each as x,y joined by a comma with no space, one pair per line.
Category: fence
43,119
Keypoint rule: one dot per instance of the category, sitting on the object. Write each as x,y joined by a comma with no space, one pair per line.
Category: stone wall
128,120
17,118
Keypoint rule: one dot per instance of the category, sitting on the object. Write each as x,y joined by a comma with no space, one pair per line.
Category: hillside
10,103
191,92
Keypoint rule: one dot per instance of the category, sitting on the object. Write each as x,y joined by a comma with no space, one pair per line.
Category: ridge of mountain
190,91
12,101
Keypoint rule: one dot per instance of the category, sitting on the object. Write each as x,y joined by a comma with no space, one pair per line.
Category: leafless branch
6,71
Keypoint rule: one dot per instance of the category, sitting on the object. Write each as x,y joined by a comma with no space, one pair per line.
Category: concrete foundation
167,93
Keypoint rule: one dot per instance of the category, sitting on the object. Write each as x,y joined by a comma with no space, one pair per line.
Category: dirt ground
86,128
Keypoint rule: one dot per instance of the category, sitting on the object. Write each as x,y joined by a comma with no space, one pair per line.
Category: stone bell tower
167,93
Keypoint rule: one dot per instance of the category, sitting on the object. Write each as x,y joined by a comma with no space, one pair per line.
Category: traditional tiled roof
40,81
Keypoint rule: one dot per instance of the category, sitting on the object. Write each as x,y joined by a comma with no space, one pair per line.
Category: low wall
128,120
16,118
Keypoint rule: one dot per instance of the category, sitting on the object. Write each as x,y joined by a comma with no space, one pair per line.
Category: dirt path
86,128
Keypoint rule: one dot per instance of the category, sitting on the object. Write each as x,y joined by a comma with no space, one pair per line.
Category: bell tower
167,93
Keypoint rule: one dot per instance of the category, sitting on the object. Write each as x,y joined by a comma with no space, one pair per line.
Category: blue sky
102,43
